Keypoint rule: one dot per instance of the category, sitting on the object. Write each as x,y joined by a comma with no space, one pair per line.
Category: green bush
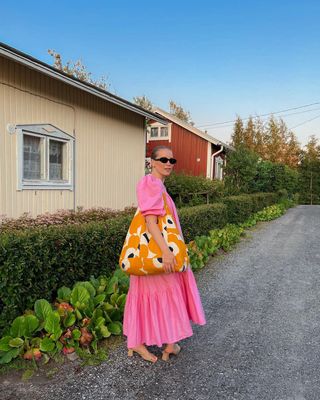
272,177
202,247
309,182
80,317
189,190
35,262
239,208
62,217
199,220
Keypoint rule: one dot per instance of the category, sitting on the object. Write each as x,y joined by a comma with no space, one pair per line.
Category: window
158,131
32,146
218,173
55,160
164,131
45,158
154,132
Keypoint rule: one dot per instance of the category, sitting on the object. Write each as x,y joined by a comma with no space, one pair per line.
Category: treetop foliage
143,102
175,109
178,111
272,140
77,70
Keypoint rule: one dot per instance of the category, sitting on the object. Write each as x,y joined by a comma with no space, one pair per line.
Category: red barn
197,152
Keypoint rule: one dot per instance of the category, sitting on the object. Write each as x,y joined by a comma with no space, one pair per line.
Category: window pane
219,168
31,157
164,131
55,160
154,132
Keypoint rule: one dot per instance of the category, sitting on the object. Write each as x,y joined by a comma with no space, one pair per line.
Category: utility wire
304,122
284,115
261,115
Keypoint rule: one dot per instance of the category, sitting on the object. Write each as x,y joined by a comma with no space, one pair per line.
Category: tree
293,151
143,102
273,141
178,111
77,70
312,152
310,173
259,145
241,170
237,137
249,134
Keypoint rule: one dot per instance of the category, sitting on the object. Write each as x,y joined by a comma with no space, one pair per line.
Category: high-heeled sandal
166,354
146,355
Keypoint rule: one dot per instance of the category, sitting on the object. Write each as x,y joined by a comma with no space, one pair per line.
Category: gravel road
261,341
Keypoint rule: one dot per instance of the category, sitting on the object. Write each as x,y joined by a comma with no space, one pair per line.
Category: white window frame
45,132
159,126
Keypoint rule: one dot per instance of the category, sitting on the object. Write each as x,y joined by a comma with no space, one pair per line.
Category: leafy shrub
90,311
189,190
239,208
272,177
228,236
270,213
62,217
241,170
204,246
309,181
35,262
199,220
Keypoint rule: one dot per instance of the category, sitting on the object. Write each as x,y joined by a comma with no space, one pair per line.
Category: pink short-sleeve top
150,191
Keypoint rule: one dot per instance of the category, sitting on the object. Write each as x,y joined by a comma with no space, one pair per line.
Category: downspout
212,158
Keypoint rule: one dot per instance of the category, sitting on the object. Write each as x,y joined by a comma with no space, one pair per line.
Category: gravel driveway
261,341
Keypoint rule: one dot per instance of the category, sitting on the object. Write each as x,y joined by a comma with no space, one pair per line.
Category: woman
159,307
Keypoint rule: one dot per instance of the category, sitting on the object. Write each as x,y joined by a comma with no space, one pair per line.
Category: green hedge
35,262
189,190
199,220
239,208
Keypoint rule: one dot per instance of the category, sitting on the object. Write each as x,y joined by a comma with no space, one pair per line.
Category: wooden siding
109,143
187,148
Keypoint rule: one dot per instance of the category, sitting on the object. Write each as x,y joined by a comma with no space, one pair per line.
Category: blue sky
218,59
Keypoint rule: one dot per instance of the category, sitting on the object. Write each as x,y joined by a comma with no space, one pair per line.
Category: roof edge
33,63
191,128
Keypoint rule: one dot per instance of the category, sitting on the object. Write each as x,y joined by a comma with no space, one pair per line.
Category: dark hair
156,149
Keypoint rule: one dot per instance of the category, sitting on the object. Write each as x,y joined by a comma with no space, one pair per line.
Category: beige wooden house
64,143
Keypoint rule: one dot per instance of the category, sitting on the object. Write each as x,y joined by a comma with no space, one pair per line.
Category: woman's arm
168,257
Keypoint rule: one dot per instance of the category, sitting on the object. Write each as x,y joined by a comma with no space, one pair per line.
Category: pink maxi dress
159,308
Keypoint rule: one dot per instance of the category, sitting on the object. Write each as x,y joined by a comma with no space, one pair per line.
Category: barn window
218,174
164,131
45,158
158,131
154,132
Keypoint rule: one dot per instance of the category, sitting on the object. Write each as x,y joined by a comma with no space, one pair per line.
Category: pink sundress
159,308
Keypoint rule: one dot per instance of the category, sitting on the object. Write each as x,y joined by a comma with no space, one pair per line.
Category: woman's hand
168,258
169,261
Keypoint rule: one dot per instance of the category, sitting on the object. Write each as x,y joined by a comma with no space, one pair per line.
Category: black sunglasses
164,160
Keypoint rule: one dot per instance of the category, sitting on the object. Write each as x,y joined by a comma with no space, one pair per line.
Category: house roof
191,128
33,63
